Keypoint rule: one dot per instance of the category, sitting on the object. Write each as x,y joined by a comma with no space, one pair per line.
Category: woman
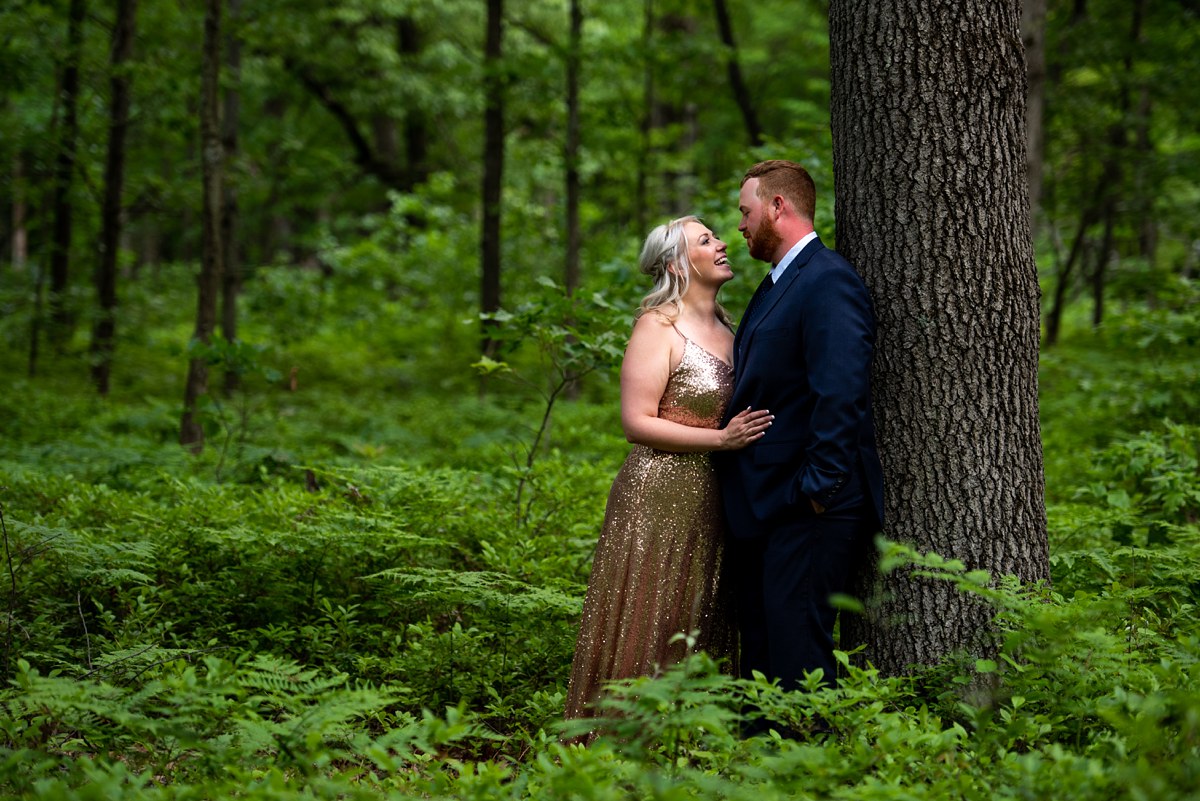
656,569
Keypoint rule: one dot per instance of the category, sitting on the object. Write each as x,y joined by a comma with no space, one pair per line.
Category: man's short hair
788,180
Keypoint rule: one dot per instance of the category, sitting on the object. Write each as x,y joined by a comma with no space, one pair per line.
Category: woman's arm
649,358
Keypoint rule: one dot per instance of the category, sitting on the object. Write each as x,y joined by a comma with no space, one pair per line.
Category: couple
754,483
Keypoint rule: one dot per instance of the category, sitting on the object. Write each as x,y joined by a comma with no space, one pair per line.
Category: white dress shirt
778,270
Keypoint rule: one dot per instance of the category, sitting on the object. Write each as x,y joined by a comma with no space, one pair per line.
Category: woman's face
710,264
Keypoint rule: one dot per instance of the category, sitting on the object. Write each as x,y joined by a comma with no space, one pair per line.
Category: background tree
737,83
104,331
61,317
571,145
932,209
191,430
1117,153
1033,35
494,81
231,261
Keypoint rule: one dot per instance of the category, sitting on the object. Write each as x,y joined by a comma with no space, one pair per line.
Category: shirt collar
777,270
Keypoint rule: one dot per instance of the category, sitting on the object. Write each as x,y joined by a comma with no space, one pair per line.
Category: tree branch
364,155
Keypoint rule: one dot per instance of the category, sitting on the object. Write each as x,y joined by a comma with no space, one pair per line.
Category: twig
12,597
87,638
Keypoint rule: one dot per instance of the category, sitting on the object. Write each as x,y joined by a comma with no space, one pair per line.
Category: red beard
765,241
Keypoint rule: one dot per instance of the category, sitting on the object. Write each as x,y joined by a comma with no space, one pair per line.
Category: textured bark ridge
932,208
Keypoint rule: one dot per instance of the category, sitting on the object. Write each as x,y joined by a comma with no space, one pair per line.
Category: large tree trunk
191,433
571,147
105,329
741,93
231,261
61,319
932,207
493,166
1033,34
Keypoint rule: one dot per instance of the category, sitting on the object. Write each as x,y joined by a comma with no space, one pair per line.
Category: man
802,501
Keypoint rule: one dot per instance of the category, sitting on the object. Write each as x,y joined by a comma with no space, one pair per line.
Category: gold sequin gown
656,571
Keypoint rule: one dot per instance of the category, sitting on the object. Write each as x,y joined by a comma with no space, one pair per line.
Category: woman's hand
746,427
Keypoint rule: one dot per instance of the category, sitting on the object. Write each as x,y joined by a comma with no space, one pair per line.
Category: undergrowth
368,584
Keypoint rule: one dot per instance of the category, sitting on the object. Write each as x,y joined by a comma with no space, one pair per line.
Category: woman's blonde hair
665,259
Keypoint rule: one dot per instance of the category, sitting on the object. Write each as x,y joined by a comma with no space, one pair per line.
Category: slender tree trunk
1062,284
20,231
571,148
1144,147
932,208
741,93
105,329
416,125
1033,34
646,123
148,245
387,144
1114,165
231,267
1103,255
275,229
35,321
191,433
677,113
493,165
62,321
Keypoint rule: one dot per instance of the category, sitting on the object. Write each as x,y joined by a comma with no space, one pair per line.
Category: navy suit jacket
804,352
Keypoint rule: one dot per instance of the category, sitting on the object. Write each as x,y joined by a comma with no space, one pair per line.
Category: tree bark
741,93
571,148
1033,34
493,166
928,105
105,328
191,432
62,320
231,266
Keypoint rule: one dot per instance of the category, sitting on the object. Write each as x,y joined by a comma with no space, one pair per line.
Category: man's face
756,226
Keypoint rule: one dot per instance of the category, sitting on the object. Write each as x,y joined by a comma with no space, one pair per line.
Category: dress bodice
698,389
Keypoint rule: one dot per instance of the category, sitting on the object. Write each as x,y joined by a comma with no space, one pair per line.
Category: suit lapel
757,312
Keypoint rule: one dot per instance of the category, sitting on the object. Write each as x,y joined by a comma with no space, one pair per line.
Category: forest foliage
343,595
367,584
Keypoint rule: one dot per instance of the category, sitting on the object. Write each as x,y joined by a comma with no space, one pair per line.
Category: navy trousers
783,581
